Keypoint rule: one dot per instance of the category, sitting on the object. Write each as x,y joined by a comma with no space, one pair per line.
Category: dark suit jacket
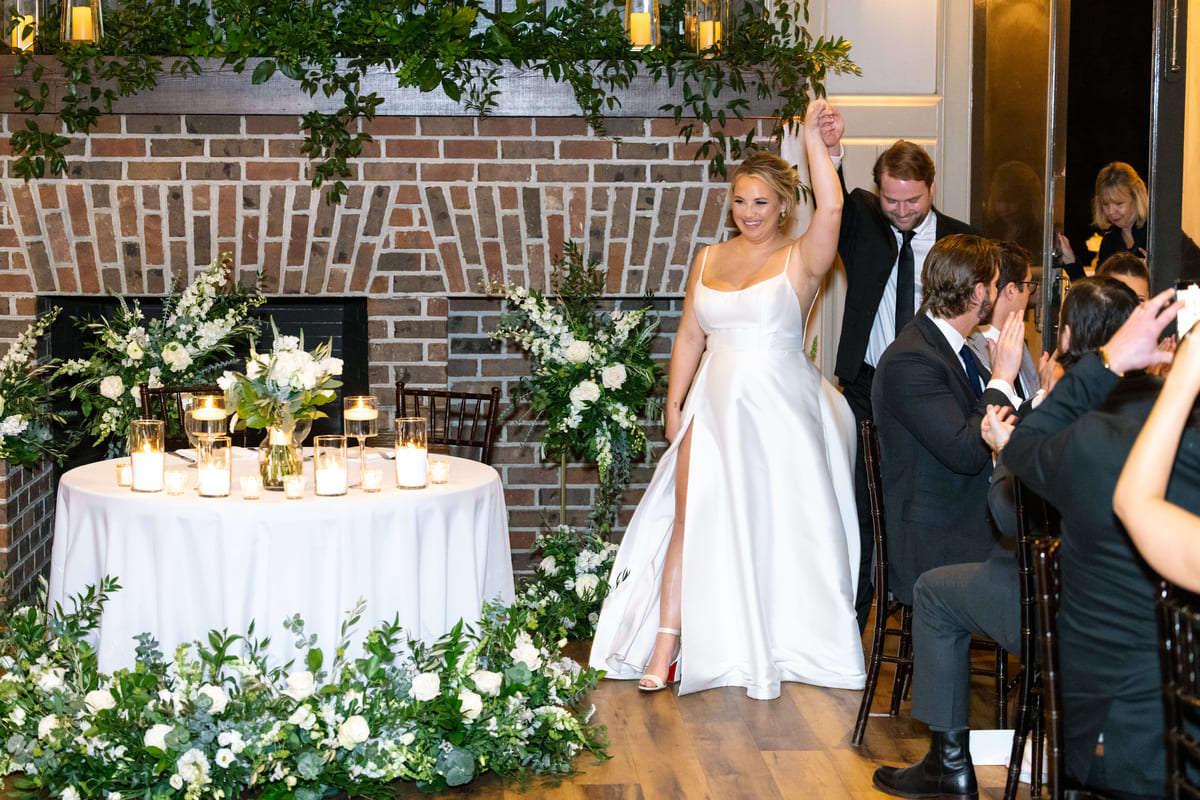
868,249
1071,451
936,467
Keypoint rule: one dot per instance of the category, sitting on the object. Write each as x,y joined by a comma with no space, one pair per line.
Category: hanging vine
328,47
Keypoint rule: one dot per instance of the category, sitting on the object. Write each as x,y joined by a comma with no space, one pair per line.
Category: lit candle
293,486
331,479
176,481
372,480
251,486
639,28
22,32
209,413
147,470
123,473
81,24
214,481
412,467
439,471
709,35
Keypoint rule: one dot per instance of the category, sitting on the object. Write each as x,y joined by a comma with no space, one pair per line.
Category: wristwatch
1104,358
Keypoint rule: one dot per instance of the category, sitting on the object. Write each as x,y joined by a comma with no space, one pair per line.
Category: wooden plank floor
721,744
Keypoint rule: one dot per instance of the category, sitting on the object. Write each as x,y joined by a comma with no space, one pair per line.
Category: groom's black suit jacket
868,249
1071,451
936,467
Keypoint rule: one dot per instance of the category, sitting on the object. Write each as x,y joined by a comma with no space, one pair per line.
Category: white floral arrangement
217,721
190,343
30,430
570,583
283,385
591,372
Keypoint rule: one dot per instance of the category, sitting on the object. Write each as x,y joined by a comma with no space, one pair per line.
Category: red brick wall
26,527
436,206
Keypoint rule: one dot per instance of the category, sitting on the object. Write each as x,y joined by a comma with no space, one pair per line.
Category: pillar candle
639,28
147,471
214,481
412,467
81,24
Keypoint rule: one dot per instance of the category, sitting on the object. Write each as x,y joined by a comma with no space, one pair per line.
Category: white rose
426,686
98,700
47,724
487,682
17,716
548,566
157,736
71,793
353,731
217,695
176,782
526,652
613,377
299,685
471,703
578,352
50,679
176,356
585,392
586,585
134,351
112,387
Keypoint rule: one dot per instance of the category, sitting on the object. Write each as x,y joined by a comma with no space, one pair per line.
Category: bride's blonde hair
776,173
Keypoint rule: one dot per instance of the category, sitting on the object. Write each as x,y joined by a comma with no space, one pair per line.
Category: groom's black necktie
973,377
906,299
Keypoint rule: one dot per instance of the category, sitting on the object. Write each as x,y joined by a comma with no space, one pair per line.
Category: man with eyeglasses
1014,288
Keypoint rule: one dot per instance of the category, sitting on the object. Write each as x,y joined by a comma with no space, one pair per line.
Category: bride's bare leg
666,645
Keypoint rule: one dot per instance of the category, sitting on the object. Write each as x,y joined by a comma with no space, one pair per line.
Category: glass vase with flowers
281,391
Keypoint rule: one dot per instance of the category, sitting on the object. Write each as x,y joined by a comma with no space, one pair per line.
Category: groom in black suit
929,397
884,240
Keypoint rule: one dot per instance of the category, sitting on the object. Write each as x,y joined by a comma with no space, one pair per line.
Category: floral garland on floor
591,375
218,721
571,581
190,343
29,430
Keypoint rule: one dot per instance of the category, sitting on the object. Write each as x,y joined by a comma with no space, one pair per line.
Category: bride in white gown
740,563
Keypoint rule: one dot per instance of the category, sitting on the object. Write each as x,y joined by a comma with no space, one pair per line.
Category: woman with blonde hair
740,563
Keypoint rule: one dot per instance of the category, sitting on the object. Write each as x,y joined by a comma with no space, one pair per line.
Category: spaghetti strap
703,261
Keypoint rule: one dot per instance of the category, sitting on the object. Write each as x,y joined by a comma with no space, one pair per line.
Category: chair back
166,403
870,446
1046,582
455,419
1179,648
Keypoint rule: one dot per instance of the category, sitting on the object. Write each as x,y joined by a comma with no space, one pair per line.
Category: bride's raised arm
817,246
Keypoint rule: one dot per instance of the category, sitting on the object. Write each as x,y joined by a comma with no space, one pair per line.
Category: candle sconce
19,24
82,21
641,23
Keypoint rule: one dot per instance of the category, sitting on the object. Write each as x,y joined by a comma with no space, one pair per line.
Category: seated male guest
1070,450
1013,290
929,396
951,604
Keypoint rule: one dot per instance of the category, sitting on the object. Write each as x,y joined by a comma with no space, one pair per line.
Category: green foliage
328,47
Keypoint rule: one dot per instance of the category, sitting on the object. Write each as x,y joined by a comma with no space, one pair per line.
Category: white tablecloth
189,564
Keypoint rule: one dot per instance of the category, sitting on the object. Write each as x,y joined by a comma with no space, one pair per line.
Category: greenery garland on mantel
457,47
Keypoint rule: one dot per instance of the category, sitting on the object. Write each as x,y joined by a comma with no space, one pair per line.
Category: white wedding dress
770,557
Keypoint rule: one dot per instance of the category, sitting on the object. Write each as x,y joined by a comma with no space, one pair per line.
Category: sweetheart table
189,564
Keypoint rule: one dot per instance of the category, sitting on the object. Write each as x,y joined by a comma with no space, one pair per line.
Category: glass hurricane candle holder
124,473
146,454
82,21
214,461
641,23
412,453
204,416
712,24
19,24
329,465
439,471
360,420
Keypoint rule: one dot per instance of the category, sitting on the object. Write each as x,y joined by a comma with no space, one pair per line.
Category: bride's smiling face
756,207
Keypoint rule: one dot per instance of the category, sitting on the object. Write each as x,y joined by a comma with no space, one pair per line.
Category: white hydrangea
13,424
